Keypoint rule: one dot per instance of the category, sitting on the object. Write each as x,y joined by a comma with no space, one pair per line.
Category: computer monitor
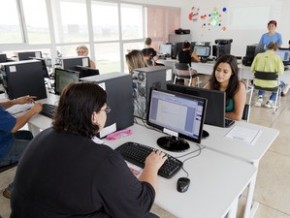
215,113
179,115
69,63
44,70
62,78
23,78
165,49
3,58
284,54
202,51
27,55
86,71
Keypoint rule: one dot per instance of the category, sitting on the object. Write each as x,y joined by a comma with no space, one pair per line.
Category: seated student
149,53
64,173
135,59
225,78
12,140
186,56
268,61
83,50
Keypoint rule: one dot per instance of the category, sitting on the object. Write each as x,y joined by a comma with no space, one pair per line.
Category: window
132,21
10,28
108,57
105,21
36,22
71,21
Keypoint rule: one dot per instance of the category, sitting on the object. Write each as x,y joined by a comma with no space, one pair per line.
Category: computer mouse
182,184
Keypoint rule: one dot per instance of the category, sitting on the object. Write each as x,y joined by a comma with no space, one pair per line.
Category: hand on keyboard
155,160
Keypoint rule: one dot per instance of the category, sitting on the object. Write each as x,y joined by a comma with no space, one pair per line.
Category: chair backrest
181,66
266,75
246,112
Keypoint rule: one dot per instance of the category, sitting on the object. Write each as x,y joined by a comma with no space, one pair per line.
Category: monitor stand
205,134
172,143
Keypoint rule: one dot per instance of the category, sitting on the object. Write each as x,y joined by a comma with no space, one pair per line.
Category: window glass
105,21
36,22
9,23
70,20
132,21
108,57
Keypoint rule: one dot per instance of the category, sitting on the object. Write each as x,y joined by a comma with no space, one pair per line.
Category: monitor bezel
202,46
180,135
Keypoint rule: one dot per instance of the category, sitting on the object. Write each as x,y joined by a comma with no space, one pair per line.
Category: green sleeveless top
230,106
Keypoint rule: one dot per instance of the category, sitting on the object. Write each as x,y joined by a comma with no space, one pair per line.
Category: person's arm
92,64
23,119
239,101
20,100
152,164
194,57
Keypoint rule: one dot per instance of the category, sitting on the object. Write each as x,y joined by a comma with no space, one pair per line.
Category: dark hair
234,79
186,44
273,46
272,22
77,103
148,41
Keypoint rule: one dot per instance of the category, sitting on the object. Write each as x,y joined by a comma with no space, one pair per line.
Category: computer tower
23,78
143,80
119,98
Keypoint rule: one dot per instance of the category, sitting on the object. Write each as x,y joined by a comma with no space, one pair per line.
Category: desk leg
250,196
234,209
33,129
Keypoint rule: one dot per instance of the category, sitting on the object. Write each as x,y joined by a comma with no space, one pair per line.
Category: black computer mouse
182,184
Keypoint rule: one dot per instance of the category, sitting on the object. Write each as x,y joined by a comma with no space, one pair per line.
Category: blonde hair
82,47
135,59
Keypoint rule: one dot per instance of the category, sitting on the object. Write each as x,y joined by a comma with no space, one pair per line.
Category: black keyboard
136,153
48,110
229,122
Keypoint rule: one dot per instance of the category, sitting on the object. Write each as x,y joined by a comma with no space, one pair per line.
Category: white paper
137,171
245,134
18,108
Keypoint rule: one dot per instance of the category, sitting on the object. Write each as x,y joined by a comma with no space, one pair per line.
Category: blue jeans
22,138
274,94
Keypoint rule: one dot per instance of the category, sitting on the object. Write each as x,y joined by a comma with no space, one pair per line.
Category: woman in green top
225,78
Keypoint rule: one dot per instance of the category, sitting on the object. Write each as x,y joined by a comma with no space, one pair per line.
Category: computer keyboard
136,153
229,122
48,110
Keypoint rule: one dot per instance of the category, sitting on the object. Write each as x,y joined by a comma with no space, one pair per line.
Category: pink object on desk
119,134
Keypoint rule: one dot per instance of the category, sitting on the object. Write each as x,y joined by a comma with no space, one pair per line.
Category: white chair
185,72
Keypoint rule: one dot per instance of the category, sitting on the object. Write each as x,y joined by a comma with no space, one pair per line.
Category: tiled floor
273,180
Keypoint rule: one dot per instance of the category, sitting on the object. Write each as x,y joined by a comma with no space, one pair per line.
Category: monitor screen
27,55
70,63
165,49
86,71
215,112
3,58
284,55
63,78
202,50
177,114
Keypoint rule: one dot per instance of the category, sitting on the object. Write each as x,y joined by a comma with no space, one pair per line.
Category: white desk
244,71
238,149
217,180
213,192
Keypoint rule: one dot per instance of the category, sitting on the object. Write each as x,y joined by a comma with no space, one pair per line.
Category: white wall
245,21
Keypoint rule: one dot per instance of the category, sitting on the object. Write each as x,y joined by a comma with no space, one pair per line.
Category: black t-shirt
184,56
66,175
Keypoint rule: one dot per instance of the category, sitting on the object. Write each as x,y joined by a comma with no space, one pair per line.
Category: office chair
184,71
268,76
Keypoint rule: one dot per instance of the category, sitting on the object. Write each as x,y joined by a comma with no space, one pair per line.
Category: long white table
217,180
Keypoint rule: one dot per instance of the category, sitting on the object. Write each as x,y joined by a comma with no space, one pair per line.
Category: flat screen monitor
284,54
179,115
215,113
63,78
86,71
165,49
3,58
27,55
70,63
202,50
